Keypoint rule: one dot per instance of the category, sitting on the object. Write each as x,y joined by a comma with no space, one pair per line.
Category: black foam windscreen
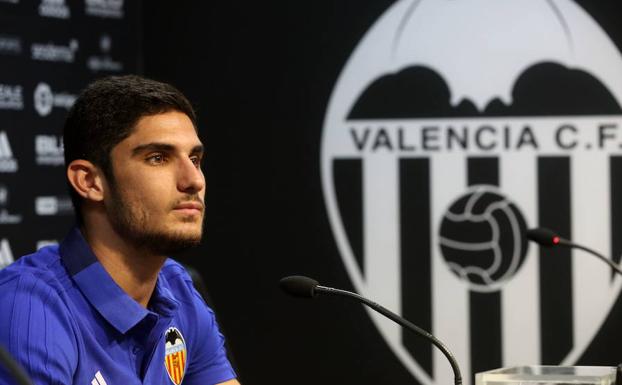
543,236
299,286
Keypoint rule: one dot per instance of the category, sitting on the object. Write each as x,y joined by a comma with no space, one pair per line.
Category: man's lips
189,207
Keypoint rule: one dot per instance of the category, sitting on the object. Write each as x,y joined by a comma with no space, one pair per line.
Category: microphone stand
401,321
548,238
616,268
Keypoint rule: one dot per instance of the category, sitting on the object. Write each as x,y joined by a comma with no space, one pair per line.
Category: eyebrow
164,147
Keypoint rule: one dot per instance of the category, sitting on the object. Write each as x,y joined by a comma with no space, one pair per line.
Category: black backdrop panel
261,75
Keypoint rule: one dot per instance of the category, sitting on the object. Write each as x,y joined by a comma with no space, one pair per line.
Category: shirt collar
118,308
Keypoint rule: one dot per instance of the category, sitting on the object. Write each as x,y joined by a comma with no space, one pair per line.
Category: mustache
190,198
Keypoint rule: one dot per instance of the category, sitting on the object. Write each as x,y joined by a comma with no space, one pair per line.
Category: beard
133,222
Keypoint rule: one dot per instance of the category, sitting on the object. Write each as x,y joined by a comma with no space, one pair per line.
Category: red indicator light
555,240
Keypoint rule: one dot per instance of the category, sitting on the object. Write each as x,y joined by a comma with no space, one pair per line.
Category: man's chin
170,241
171,244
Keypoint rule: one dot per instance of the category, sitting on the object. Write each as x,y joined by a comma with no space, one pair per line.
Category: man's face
157,193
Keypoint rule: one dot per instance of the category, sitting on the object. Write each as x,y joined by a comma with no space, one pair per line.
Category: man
106,306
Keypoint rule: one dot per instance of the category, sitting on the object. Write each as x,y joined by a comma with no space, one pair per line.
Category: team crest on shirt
175,355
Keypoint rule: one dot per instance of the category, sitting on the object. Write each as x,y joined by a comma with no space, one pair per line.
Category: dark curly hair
107,111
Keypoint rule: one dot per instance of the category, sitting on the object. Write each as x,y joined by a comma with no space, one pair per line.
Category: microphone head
544,237
299,286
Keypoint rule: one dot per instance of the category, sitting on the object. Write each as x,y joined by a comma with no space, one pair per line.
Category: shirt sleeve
36,330
208,364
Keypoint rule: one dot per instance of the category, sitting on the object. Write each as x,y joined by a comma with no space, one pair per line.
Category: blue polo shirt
67,322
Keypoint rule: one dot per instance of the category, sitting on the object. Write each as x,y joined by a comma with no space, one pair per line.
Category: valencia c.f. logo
454,126
175,359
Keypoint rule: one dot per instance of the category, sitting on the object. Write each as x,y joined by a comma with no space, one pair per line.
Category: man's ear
86,179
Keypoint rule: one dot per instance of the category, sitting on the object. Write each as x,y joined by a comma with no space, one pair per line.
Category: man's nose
190,178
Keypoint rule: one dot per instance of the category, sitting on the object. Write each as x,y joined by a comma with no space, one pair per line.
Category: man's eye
156,159
196,160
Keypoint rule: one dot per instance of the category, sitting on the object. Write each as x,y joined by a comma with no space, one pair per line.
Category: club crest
175,357
453,127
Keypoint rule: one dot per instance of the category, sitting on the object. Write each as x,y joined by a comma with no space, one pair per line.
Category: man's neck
134,270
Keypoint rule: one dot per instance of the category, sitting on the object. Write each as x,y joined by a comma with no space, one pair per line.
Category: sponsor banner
45,47
55,9
45,99
11,97
55,52
112,9
8,164
53,206
49,150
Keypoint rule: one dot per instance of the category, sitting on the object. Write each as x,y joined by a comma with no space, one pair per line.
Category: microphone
548,238
14,369
305,287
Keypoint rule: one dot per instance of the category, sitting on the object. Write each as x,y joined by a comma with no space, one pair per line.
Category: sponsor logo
105,8
55,53
104,62
10,45
46,242
49,150
441,144
45,100
176,355
7,162
5,216
98,379
11,97
53,205
54,8
6,256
